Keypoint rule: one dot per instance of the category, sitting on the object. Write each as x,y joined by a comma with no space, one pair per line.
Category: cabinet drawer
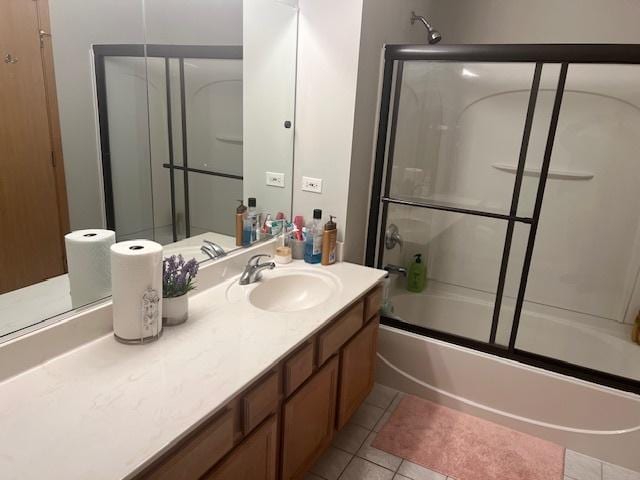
253,459
298,368
372,303
330,341
261,401
200,452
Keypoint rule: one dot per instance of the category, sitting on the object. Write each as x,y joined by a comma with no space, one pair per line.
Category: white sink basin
287,289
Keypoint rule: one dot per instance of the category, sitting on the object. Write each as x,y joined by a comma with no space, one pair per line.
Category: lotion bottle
329,242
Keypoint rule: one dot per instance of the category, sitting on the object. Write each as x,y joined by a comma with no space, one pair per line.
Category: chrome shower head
434,36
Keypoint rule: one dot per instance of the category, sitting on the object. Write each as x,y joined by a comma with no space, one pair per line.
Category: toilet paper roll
88,253
136,283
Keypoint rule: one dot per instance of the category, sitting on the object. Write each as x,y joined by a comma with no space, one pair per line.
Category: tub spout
395,269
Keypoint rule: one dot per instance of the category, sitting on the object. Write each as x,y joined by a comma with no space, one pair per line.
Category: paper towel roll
136,279
89,265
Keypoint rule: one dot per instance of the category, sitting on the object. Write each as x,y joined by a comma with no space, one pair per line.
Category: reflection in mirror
160,116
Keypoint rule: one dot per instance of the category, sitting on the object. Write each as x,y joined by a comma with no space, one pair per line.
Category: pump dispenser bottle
417,277
329,242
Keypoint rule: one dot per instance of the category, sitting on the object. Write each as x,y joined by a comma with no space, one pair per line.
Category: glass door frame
562,54
167,52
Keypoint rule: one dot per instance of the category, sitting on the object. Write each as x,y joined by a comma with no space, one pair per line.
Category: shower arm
420,18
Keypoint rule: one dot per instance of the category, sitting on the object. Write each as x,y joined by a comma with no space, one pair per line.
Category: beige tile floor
351,457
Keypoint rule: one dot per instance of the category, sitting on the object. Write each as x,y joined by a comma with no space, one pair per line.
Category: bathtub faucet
396,270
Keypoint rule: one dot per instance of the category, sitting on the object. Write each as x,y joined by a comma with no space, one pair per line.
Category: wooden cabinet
357,368
308,423
253,459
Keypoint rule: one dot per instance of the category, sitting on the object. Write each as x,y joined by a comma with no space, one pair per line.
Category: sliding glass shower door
513,178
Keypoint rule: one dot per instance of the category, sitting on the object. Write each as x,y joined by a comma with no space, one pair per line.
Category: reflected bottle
249,230
240,216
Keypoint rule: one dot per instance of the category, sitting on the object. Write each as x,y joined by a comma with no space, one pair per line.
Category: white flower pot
175,310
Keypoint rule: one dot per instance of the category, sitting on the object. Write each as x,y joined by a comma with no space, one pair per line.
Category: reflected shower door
129,169
213,92
197,140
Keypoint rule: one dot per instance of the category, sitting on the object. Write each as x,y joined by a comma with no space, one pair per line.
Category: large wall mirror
151,118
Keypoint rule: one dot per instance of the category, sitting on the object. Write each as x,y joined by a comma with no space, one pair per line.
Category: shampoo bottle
240,214
313,240
329,242
417,278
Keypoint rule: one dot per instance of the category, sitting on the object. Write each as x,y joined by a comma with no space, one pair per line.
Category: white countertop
106,410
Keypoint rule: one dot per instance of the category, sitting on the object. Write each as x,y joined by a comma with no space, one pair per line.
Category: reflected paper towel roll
136,284
88,253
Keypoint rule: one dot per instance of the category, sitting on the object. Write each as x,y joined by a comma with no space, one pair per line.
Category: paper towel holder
151,318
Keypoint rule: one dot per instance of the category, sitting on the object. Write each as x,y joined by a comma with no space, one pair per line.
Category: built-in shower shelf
230,139
535,172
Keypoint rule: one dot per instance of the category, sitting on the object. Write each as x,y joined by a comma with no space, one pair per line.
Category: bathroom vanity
237,392
280,424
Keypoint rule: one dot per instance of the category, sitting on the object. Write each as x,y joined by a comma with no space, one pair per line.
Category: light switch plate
275,179
310,184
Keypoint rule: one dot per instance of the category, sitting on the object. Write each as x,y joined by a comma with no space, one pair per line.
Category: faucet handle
254,260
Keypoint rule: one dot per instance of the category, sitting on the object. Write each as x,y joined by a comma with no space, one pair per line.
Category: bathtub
589,418
601,345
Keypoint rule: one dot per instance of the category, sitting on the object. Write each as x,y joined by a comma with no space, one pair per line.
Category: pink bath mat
465,447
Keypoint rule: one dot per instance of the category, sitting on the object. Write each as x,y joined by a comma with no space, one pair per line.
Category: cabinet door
309,418
253,459
357,369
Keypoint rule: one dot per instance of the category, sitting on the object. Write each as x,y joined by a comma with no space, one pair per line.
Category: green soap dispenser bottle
417,275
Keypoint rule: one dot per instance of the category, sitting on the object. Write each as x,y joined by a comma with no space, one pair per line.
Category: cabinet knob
287,124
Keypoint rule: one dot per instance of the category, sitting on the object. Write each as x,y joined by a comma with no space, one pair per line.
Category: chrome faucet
253,270
396,269
212,250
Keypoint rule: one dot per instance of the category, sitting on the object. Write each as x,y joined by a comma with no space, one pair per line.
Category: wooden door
357,371
254,459
31,228
309,419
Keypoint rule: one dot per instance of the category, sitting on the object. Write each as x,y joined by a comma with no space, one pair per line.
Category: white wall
539,21
328,48
269,49
75,26
194,22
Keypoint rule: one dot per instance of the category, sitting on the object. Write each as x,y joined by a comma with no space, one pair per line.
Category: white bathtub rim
522,366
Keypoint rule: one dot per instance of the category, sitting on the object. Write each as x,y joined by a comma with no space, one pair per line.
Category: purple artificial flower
178,276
